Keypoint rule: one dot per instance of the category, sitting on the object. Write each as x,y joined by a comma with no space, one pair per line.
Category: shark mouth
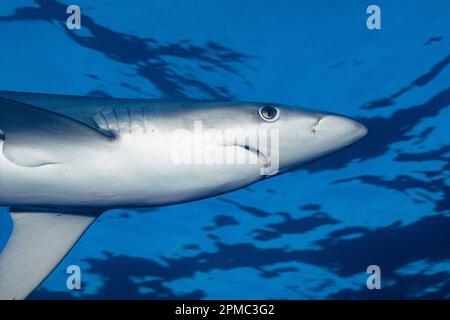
263,159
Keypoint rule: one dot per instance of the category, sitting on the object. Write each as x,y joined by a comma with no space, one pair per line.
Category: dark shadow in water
435,182
294,225
438,154
405,183
310,207
389,247
147,55
336,65
433,39
421,137
419,82
221,221
437,179
249,209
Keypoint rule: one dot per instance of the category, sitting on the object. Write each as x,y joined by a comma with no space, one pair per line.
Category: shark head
275,137
306,135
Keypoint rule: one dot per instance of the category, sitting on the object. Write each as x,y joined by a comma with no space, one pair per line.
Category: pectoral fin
35,137
38,243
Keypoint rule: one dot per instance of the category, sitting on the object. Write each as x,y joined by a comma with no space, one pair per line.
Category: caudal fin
39,241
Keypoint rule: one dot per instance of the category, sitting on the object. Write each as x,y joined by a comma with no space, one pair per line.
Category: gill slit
129,118
106,121
117,120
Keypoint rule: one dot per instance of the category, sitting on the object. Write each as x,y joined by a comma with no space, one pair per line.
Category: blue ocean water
308,234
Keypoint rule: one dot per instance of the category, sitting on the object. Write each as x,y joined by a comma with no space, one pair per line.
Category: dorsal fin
35,137
38,243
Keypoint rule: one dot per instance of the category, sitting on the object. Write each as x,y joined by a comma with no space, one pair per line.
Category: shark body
66,159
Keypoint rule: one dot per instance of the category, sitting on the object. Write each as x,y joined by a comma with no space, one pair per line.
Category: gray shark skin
66,159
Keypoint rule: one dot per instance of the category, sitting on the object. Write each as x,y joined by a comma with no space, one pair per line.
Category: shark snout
342,130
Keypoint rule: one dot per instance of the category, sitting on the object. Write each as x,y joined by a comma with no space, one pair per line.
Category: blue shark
64,160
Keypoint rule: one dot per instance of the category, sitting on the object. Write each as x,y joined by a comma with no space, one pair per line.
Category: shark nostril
314,127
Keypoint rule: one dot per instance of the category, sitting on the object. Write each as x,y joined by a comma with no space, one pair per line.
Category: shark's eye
269,113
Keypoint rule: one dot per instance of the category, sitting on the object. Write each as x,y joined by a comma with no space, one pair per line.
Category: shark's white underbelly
125,175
